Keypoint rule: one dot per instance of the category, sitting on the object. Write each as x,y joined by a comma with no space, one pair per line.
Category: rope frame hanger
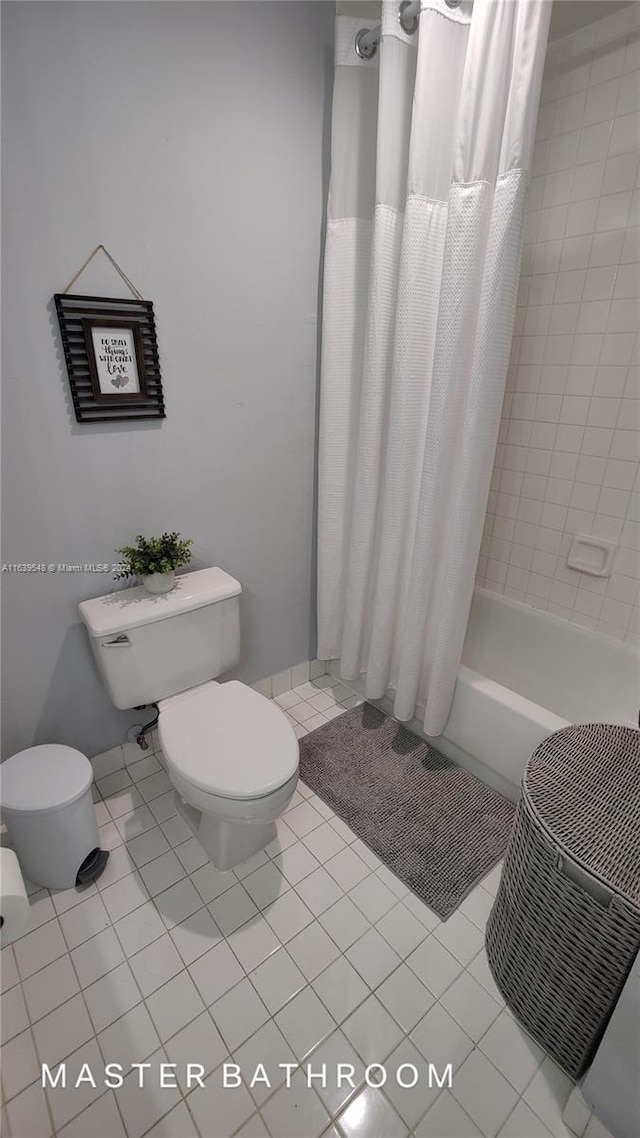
121,273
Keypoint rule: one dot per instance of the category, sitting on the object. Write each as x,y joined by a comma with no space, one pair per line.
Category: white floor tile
318,720
62,1031
140,1109
49,988
123,805
288,916
229,1107
405,997
373,958
177,1121
373,897
324,842
436,967
296,862
411,1102
401,929
269,1047
238,1014
174,1005
425,915
470,1006
195,936
266,884
460,937
246,867
100,1120
156,964
344,922
198,1042
97,956
155,785
492,880
19,1064
479,969
131,1039
313,949
112,996
484,1093
340,988
211,882
296,1110
347,868
373,1032
547,1096
192,855
125,896
175,831
370,1113
14,1013
143,767
163,807
147,846
303,819
28,1114
253,943
8,968
38,948
441,1040
323,701
178,903
288,699
447,1119
84,921
162,872
512,1051
305,1022
215,972
368,856
139,928
301,712
277,980
477,907
319,891
67,1103
337,1087
254,1127
232,909
523,1123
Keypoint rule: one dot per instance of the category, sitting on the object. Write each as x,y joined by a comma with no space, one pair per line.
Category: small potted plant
155,560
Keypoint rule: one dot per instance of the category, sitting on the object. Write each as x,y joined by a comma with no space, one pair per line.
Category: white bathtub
524,674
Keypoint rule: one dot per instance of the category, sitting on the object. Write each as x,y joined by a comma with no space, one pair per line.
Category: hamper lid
44,778
583,785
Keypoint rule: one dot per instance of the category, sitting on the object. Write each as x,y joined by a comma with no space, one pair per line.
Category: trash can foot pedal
92,866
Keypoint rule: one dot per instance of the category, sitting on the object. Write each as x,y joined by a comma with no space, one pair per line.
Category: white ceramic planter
159,582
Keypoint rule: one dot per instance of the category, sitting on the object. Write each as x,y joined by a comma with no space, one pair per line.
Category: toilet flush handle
119,642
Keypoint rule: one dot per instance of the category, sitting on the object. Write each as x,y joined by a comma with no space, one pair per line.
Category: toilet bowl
232,757
231,754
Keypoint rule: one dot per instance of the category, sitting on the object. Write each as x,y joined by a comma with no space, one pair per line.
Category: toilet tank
148,647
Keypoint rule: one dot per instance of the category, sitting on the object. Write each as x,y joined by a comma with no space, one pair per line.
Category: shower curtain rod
367,39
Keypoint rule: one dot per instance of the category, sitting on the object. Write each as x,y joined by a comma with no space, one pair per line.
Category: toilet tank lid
130,608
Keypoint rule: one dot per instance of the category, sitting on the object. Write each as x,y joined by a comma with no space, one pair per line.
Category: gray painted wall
191,139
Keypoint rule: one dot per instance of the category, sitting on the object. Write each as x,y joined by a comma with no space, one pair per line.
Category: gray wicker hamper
565,925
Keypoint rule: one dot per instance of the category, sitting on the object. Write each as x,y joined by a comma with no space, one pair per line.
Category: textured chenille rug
432,823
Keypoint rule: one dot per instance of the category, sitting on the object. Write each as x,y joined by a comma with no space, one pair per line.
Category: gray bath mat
432,823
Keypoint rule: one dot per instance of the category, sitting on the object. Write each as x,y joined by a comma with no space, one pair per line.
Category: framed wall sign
111,355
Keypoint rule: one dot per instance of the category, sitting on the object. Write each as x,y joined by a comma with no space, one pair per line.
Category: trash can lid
43,779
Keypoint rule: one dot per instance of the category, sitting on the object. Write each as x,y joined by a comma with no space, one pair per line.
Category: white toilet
231,753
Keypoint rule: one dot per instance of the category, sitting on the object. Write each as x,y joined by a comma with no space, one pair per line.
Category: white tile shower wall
569,443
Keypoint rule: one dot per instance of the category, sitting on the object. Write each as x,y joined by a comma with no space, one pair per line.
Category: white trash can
45,795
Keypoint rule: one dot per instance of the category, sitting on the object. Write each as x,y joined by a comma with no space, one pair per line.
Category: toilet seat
228,740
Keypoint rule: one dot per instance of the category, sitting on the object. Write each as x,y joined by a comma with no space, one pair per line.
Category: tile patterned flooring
312,952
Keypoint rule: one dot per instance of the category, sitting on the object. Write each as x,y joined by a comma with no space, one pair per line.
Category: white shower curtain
431,143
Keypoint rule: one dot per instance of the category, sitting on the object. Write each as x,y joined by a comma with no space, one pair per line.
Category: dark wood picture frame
78,317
